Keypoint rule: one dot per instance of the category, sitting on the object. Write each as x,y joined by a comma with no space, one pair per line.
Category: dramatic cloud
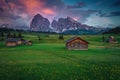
117,13
116,3
20,12
31,7
1,9
112,14
26,9
77,5
94,20
80,15
48,11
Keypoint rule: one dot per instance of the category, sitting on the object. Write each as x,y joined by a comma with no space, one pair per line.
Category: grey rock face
39,23
68,23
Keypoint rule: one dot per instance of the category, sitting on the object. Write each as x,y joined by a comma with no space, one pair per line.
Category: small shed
112,40
13,42
28,42
76,43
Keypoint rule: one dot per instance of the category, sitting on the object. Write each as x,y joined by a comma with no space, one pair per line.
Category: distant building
28,42
76,43
112,40
13,42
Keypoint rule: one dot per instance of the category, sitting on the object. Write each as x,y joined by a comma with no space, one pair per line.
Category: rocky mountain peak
70,19
39,23
64,24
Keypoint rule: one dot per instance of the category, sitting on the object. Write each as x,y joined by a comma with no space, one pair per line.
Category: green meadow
47,59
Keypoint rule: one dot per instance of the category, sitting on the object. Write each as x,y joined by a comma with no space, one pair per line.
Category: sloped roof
13,39
75,37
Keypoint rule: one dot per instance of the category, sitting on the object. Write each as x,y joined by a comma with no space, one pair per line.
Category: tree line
10,35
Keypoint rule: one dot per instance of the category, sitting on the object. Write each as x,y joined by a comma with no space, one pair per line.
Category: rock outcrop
39,23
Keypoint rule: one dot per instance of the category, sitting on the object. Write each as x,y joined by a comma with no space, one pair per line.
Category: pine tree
2,36
39,38
61,37
103,38
19,35
9,35
14,35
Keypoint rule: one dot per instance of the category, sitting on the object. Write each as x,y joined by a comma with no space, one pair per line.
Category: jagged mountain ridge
64,24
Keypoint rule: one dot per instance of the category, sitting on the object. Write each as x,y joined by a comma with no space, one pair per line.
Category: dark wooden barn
13,42
112,40
76,43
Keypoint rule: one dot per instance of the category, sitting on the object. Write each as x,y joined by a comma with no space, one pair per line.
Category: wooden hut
76,43
13,42
112,40
28,42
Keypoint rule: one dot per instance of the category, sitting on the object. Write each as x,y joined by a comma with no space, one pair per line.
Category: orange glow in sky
48,11
36,6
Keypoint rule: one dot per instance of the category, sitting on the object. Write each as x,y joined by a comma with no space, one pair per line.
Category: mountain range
62,25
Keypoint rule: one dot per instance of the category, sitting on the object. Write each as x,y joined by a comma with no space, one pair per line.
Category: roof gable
12,40
74,38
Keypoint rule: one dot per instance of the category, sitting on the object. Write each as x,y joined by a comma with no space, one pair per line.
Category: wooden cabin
76,43
10,42
112,40
28,42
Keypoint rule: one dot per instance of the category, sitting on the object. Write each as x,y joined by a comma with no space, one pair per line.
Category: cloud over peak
80,10
77,5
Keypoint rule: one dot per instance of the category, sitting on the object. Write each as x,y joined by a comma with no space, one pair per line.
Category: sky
97,13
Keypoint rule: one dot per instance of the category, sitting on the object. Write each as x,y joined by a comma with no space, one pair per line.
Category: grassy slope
47,59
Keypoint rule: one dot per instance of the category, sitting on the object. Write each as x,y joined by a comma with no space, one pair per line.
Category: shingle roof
75,37
71,39
12,39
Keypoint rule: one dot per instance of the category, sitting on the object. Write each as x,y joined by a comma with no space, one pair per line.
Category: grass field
48,59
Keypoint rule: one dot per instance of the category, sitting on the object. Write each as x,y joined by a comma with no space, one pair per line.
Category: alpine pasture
47,59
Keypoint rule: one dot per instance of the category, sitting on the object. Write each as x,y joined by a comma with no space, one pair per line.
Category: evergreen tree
39,38
103,39
2,36
14,35
19,35
9,35
61,37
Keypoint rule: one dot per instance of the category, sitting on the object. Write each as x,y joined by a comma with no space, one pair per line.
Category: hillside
115,30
